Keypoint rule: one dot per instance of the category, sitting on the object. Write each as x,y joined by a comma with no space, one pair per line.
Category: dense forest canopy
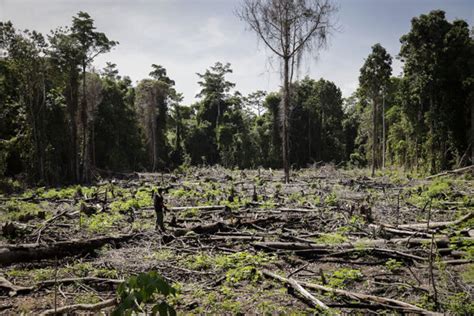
62,120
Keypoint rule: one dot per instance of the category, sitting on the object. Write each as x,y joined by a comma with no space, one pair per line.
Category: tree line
61,120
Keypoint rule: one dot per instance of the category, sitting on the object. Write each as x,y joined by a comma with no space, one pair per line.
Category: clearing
243,242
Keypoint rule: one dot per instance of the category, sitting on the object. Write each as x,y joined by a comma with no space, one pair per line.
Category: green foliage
468,274
436,192
242,265
330,239
163,255
81,269
8,186
87,298
15,210
238,266
145,288
200,261
344,276
393,265
45,116
192,212
331,199
142,198
460,304
101,222
57,194
43,274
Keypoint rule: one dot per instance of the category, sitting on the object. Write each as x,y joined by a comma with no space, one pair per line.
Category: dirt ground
404,242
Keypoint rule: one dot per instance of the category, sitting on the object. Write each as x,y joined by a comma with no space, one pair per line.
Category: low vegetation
331,227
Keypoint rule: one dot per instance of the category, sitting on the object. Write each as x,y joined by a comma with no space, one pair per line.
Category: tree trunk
472,130
93,144
309,138
286,101
72,105
86,169
374,135
383,130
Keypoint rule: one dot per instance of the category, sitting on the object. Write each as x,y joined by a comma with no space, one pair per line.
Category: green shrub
460,304
146,288
342,277
393,265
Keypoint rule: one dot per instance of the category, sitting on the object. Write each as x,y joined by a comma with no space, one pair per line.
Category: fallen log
202,229
47,283
435,225
225,225
455,171
387,302
362,244
308,297
201,208
13,289
382,252
29,252
298,210
83,307
392,230
375,245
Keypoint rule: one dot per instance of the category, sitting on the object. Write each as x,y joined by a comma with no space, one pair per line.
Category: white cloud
188,36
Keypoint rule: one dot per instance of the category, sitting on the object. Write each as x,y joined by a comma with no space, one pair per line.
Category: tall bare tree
289,28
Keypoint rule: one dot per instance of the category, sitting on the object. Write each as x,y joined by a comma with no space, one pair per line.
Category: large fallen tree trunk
29,252
455,171
203,229
436,225
225,225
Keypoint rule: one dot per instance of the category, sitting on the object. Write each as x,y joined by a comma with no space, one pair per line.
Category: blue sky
188,36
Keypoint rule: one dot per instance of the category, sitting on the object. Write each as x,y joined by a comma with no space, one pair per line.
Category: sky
189,36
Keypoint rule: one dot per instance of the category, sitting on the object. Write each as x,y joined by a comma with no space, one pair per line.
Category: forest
116,196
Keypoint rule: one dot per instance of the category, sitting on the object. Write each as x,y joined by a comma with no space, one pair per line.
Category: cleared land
244,242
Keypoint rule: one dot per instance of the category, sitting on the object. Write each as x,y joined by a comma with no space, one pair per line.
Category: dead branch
359,296
308,297
84,307
46,283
